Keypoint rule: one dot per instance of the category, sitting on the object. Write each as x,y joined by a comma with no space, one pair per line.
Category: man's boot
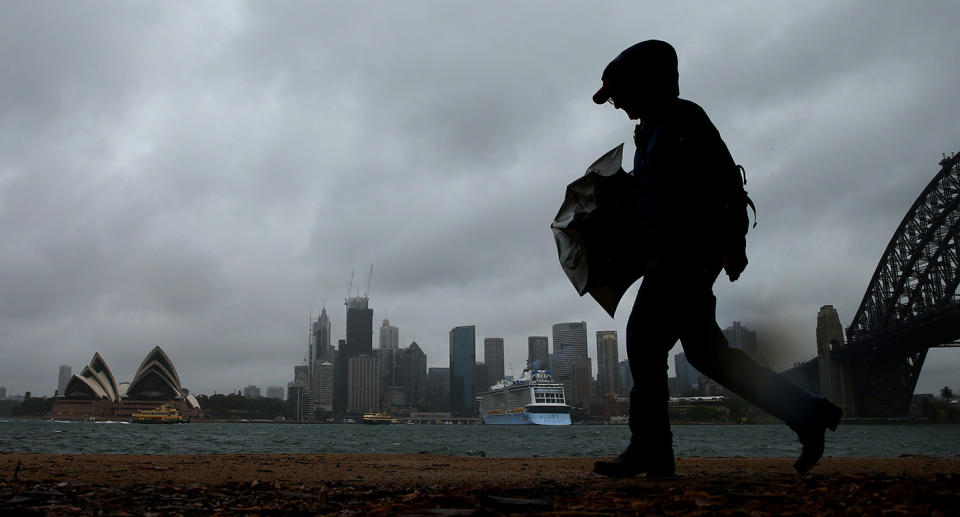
633,462
811,433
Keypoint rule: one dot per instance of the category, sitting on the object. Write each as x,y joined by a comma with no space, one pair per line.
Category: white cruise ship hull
528,418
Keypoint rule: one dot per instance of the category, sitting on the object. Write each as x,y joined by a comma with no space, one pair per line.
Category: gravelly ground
345,484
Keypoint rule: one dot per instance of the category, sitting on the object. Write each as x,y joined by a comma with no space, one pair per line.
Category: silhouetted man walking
692,219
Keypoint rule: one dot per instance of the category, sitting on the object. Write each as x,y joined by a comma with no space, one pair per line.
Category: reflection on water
496,441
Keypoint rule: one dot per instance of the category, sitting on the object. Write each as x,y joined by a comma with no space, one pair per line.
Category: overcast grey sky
204,175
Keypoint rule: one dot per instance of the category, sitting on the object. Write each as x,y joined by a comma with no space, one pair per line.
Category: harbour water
40,436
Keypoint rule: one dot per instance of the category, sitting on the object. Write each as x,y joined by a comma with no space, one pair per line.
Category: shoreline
396,484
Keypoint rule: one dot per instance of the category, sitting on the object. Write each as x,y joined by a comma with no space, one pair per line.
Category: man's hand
734,264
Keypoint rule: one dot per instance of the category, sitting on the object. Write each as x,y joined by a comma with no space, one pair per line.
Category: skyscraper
3,393
65,373
298,394
493,358
481,377
363,384
607,359
583,379
437,390
463,345
275,392
387,366
538,352
389,335
687,376
320,347
569,344
359,341
251,392
742,338
412,373
624,379
321,386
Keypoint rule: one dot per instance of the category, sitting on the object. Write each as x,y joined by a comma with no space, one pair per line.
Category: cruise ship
534,398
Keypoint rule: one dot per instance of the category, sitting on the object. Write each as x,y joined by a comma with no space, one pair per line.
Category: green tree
946,393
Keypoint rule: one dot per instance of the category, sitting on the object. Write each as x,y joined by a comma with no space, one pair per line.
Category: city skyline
206,179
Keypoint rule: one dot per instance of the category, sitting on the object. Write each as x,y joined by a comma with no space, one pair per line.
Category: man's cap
652,60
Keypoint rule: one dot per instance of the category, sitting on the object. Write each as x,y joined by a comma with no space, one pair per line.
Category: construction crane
349,285
366,294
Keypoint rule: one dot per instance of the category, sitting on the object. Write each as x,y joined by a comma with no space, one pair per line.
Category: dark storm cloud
205,177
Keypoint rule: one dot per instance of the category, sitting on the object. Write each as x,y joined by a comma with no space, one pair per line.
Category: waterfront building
321,387
538,352
65,373
624,378
481,377
275,392
96,393
359,342
363,384
493,358
569,344
251,392
607,359
437,390
298,402
412,373
463,347
389,335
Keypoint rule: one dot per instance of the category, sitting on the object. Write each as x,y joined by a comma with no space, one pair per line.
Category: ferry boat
164,414
534,398
378,418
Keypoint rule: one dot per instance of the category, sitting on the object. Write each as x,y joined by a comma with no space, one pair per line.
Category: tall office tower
437,390
359,341
538,352
301,375
3,393
321,387
387,366
275,392
582,380
298,402
744,339
463,346
298,393
412,373
687,376
569,344
251,392
389,335
624,379
570,337
607,359
320,346
481,377
65,373
493,358
363,384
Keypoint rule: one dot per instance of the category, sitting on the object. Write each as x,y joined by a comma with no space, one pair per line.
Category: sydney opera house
96,394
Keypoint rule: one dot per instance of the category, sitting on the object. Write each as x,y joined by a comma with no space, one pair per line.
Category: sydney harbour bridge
911,305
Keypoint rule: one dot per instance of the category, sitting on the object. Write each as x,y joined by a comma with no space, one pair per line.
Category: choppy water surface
470,440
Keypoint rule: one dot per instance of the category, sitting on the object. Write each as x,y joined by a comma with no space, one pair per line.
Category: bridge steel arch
911,302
